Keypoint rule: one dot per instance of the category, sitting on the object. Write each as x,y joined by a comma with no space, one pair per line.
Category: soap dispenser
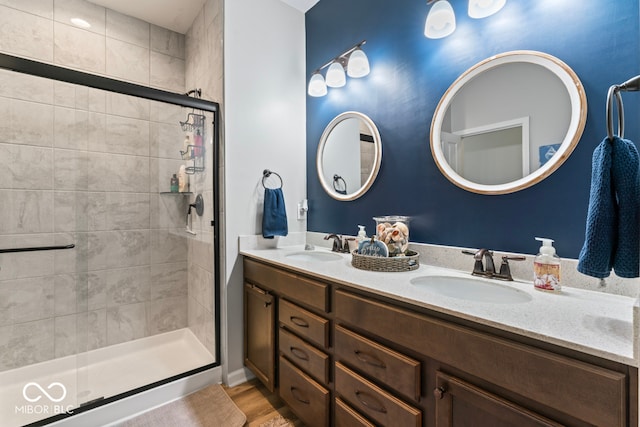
546,267
362,235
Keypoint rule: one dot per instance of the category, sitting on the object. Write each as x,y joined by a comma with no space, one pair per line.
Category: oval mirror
508,122
349,155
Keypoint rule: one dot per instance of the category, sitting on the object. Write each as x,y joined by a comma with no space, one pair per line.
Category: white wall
265,90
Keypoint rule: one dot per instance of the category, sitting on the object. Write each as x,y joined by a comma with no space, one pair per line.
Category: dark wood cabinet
299,370
460,404
259,334
346,357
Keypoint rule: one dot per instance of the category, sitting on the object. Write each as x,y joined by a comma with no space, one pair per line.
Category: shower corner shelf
177,193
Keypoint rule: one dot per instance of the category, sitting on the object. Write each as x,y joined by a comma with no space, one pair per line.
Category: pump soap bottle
546,267
362,235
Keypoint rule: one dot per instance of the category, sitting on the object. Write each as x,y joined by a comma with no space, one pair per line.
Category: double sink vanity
434,346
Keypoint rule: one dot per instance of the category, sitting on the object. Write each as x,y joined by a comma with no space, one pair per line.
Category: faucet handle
478,267
505,269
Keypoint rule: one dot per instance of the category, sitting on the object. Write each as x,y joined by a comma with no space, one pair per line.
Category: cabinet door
460,404
259,334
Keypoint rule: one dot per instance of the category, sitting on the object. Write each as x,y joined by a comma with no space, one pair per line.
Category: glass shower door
120,293
43,279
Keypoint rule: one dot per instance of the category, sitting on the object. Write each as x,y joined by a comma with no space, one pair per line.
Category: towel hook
336,184
266,174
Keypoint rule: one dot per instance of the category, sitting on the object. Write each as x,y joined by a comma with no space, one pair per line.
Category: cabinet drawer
347,417
556,381
308,399
302,289
304,323
396,370
371,400
307,357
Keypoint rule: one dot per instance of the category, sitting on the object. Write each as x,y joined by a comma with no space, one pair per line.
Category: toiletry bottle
546,267
187,148
174,183
197,141
362,235
183,180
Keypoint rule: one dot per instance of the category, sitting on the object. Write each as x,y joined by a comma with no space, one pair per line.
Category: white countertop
591,322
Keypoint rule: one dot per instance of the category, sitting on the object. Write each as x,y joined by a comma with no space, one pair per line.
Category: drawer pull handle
439,392
370,402
299,353
369,359
294,392
298,321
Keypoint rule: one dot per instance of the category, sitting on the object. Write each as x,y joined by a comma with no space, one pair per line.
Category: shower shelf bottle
546,267
173,184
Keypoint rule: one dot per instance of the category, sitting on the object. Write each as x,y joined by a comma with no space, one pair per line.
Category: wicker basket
409,262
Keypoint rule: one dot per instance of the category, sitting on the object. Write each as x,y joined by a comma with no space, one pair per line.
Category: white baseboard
239,376
114,413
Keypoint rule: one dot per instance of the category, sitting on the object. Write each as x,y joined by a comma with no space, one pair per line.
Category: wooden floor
259,404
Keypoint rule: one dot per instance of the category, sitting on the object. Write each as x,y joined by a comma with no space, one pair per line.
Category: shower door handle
37,248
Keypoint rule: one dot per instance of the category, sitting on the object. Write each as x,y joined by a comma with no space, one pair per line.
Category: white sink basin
314,256
471,289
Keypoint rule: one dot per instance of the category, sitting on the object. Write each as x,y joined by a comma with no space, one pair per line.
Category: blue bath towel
612,234
274,218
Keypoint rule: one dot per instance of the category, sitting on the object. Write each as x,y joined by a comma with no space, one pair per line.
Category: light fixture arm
342,58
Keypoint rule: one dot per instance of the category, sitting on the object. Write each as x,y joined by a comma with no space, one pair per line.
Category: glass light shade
484,8
335,75
441,21
358,64
317,86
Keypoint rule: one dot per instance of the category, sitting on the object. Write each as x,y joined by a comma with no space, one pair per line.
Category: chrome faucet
488,268
338,244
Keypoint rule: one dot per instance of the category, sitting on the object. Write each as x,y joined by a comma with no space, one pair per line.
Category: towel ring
615,91
336,182
266,174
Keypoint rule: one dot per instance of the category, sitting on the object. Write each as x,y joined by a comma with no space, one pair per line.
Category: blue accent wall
599,40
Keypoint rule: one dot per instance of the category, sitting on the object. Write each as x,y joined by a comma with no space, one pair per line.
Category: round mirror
508,122
349,155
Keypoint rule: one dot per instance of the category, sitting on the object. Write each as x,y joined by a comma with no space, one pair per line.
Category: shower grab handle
37,248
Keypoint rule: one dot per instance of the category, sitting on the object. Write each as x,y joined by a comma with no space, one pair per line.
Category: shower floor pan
49,388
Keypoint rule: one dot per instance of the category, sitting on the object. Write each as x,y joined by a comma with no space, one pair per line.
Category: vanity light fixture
358,64
483,8
317,86
441,20
353,60
335,75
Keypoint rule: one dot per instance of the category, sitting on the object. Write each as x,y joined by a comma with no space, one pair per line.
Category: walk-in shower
103,292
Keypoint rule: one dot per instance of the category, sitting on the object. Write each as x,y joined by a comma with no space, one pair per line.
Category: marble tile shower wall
204,69
86,166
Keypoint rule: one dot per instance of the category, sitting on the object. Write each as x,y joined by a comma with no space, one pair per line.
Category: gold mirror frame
376,160
578,119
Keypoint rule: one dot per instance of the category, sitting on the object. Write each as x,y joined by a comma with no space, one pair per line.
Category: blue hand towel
274,217
612,234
